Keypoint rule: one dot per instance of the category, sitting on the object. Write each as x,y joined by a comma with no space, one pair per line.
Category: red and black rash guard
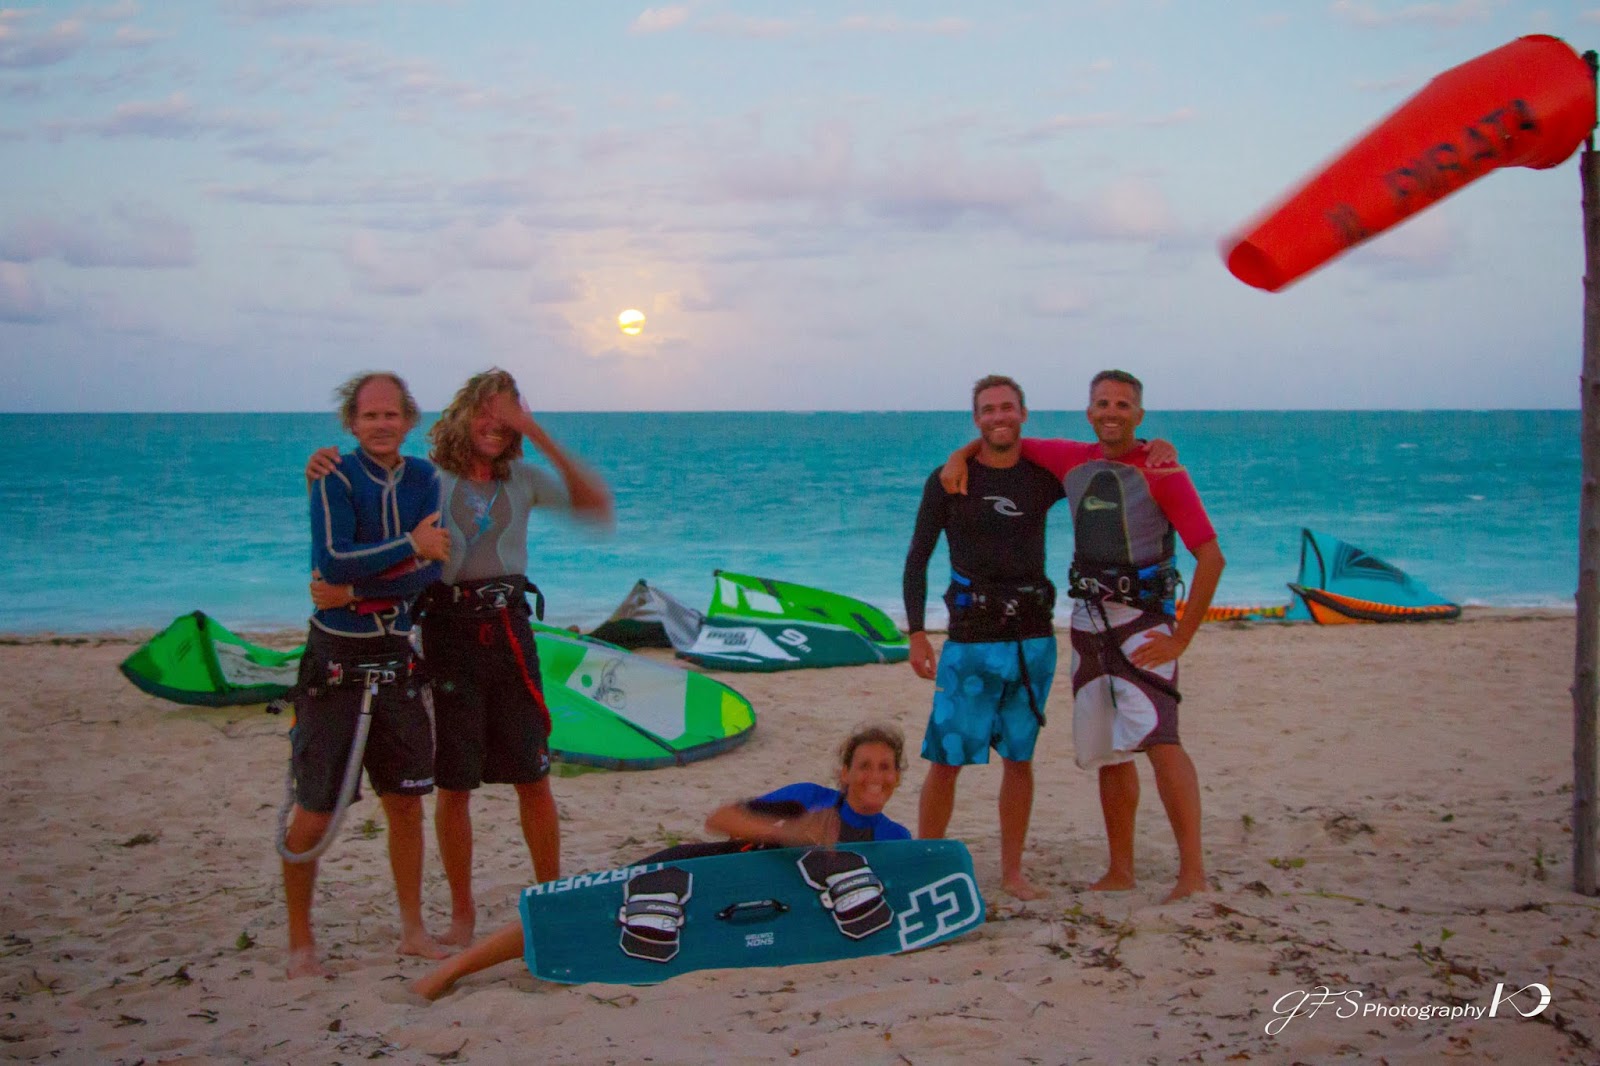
1123,513
995,533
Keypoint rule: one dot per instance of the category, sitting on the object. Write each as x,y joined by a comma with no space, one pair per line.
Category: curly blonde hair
452,435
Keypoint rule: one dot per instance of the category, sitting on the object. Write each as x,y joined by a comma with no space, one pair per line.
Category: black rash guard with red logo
995,534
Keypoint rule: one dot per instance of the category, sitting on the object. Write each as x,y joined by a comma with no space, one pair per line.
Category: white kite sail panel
758,624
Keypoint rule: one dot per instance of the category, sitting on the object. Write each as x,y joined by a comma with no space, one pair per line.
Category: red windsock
1529,103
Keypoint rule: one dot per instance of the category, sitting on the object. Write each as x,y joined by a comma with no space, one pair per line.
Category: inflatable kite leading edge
1529,103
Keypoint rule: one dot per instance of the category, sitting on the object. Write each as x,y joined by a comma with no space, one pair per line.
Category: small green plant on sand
572,769
369,829
1287,864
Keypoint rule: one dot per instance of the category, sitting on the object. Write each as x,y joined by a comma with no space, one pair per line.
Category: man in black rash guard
995,670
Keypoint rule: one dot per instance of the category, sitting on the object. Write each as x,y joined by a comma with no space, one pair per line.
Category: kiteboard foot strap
652,913
850,891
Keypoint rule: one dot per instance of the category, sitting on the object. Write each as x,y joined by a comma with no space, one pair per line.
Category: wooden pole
1585,684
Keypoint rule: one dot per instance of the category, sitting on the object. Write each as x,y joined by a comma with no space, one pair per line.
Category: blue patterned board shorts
979,701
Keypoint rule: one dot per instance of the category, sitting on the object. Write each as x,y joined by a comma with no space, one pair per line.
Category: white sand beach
1387,814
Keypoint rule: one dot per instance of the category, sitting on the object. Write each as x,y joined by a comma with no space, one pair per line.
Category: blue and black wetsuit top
362,515
791,801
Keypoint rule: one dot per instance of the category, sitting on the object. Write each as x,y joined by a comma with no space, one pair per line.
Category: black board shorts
490,720
399,751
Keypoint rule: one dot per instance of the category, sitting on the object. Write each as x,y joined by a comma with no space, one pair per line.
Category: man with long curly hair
490,721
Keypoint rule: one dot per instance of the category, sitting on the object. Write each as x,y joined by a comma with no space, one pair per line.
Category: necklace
482,508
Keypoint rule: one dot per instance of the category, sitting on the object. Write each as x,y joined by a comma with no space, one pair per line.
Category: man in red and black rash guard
1125,641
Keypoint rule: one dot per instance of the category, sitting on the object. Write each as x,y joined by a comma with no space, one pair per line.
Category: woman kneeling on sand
800,815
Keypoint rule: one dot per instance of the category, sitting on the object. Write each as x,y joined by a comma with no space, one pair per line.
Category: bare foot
461,930
303,962
1186,887
433,984
1114,882
403,996
1023,889
421,944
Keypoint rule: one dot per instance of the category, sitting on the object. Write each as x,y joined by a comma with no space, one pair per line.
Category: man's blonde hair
452,435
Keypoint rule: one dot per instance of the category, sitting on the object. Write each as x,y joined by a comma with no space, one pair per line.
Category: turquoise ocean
124,521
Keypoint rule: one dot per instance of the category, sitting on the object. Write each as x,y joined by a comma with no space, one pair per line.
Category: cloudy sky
848,205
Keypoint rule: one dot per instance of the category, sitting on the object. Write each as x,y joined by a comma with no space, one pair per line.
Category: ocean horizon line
835,411
173,511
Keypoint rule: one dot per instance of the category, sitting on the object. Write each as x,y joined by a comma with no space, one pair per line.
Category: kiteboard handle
752,910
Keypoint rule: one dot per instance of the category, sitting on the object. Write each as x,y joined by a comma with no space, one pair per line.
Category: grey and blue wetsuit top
488,520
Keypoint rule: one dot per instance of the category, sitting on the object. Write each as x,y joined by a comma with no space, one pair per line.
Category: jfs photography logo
1527,1001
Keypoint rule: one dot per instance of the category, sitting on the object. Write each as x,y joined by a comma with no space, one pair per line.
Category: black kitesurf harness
496,609
1146,588
370,674
1014,608
481,597
1149,588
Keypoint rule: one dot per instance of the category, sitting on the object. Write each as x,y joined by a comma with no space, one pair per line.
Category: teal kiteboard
638,925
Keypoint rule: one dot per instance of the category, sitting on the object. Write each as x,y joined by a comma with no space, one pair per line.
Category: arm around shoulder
953,475
1056,456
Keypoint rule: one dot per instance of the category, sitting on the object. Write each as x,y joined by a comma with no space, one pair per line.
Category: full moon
631,322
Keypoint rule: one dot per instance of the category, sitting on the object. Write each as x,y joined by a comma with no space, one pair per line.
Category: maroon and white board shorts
1116,710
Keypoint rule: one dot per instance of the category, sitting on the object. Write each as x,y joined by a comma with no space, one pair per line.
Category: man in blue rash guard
491,725
375,526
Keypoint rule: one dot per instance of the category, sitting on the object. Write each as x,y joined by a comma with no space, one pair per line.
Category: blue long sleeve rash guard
362,515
